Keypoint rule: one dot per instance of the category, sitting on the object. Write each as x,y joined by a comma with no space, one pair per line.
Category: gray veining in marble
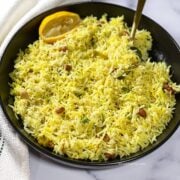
162,164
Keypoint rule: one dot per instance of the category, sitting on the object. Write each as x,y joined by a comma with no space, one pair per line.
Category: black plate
164,47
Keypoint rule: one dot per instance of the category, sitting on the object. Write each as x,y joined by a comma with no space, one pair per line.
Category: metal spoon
137,17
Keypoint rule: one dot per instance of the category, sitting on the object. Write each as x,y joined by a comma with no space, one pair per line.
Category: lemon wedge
55,26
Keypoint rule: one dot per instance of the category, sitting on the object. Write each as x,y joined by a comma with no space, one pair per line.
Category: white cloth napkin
14,156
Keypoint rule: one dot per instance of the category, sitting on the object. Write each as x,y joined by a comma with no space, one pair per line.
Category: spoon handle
137,17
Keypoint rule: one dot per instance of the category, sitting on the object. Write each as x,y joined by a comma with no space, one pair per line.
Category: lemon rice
94,94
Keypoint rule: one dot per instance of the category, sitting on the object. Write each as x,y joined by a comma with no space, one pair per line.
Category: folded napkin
14,156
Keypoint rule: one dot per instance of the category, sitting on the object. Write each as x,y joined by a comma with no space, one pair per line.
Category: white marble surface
163,163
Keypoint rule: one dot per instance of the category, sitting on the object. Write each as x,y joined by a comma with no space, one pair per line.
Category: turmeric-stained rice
95,94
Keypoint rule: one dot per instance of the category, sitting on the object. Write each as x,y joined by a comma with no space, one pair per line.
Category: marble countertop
163,163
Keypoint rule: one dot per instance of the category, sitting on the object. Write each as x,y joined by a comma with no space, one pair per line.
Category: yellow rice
101,95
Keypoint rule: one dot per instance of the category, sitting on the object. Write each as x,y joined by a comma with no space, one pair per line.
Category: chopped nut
63,48
168,88
24,94
68,67
106,138
110,156
60,110
30,71
50,144
142,112
124,33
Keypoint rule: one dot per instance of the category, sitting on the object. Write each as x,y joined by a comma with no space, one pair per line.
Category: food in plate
94,94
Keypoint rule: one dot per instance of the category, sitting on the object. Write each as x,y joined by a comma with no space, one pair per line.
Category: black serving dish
164,47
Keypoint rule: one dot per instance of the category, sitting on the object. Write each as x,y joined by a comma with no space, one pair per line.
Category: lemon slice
55,26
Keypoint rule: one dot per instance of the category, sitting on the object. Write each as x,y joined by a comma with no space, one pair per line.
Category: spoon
137,17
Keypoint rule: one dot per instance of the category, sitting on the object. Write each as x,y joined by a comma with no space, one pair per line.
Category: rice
82,95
